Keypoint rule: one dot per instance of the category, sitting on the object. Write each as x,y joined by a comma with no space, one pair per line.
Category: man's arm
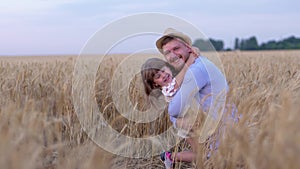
180,76
195,79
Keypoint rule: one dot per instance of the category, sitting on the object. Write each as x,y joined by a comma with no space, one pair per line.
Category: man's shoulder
203,62
199,63
198,68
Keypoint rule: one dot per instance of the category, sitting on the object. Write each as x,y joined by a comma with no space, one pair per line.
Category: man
202,76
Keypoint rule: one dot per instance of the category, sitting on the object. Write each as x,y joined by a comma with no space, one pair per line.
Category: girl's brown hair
149,69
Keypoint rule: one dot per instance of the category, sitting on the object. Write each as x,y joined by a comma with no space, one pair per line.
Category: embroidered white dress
169,90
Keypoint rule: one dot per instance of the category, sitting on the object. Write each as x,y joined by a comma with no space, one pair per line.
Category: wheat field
39,128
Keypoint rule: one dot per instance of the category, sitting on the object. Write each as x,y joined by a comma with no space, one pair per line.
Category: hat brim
180,36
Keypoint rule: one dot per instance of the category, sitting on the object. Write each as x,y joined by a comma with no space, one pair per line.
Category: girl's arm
180,76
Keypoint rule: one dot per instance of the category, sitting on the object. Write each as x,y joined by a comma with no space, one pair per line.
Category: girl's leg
187,156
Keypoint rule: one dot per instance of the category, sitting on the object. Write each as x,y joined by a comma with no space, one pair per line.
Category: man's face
176,53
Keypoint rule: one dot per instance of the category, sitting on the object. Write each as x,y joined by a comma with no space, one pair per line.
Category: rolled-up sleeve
204,82
189,90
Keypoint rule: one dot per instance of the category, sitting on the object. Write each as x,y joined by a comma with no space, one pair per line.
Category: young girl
158,74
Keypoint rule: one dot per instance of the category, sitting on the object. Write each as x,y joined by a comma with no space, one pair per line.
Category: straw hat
170,32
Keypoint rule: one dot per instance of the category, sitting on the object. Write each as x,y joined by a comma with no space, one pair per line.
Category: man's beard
178,68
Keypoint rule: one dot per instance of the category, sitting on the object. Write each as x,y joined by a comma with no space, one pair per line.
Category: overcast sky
41,27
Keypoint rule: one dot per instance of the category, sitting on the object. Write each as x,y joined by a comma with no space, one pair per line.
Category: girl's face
163,77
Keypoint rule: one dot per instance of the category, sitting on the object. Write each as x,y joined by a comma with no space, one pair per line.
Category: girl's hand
194,55
191,60
195,51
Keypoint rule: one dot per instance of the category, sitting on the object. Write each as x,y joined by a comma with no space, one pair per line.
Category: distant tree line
248,44
209,45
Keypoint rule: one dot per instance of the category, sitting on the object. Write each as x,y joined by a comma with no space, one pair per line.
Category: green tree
218,44
236,44
203,45
209,45
242,44
252,43
249,44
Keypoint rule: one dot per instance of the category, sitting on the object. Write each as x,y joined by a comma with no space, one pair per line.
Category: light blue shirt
203,82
